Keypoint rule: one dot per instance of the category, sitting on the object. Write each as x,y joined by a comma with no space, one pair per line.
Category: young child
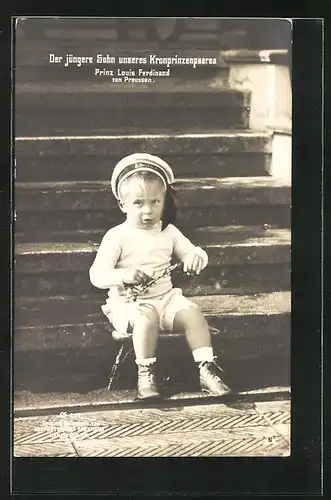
142,246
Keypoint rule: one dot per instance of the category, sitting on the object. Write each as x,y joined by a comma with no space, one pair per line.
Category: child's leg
145,332
192,322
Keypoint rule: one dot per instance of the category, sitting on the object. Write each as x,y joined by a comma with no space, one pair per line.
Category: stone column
266,75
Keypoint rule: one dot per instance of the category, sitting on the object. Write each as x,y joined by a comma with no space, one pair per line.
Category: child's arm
194,258
102,272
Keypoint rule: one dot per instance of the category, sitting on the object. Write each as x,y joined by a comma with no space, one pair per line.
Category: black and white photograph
152,237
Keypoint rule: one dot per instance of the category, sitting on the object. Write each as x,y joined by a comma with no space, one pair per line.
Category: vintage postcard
153,172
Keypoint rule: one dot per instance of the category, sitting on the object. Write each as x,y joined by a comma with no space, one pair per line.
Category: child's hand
134,277
192,263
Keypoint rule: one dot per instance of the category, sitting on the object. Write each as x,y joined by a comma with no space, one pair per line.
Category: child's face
143,202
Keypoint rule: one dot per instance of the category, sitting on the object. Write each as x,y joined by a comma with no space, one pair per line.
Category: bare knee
147,314
190,318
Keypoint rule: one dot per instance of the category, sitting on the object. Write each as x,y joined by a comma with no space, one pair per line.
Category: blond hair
139,179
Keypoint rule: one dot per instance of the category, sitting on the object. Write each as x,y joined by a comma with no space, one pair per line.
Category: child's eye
155,202
137,202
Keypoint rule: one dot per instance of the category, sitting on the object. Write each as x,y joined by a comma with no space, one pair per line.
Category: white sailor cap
140,162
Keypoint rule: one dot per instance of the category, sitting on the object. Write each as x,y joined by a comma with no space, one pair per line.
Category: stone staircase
68,138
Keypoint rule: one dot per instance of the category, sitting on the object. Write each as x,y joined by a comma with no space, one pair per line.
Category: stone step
73,369
150,119
190,155
191,142
35,225
76,321
129,33
225,235
254,258
152,35
258,278
82,369
92,109
103,96
58,206
95,168
36,404
225,246
202,192
79,356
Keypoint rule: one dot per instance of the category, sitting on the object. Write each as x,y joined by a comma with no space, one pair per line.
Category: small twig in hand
138,290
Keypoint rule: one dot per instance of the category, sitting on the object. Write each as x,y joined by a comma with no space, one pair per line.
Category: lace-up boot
211,378
147,386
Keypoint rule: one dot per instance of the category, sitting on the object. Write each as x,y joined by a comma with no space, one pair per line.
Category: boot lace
147,372
214,370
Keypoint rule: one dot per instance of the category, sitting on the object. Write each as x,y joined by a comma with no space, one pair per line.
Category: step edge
202,135
227,315
264,181
38,409
257,295
91,249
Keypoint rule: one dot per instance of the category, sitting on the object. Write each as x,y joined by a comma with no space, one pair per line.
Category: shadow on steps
241,375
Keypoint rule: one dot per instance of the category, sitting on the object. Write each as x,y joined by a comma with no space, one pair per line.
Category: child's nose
147,209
